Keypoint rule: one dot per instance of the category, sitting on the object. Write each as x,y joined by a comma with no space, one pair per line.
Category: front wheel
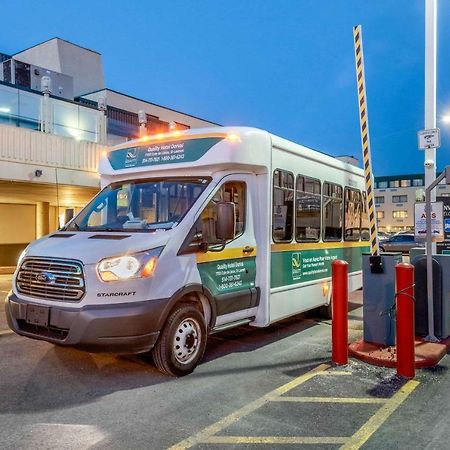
181,345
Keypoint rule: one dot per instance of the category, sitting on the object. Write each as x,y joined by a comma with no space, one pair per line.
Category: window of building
380,215
352,214
382,184
394,183
399,214
365,233
417,182
379,199
399,198
283,206
307,209
405,183
332,212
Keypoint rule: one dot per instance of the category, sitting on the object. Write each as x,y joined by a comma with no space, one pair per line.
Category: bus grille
51,279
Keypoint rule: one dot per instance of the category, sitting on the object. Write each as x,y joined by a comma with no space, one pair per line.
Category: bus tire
182,342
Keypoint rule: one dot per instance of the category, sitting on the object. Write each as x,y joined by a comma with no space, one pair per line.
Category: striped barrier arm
365,140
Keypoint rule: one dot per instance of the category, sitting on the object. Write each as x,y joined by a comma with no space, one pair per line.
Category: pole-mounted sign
365,140
429,138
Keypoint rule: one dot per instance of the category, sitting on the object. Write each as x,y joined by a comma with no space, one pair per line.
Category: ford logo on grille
46,277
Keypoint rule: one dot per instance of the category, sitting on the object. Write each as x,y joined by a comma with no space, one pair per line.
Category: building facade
395,197
56,118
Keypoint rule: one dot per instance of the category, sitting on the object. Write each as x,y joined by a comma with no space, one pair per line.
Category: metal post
46,115
430,89
102,126
339,323
404,281
431,337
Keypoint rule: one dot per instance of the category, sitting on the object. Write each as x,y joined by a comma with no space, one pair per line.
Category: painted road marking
329,399
205,434
375,422
6,332
209,434
274,440
335,372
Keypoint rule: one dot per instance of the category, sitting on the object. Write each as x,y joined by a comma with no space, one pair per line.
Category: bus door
229,271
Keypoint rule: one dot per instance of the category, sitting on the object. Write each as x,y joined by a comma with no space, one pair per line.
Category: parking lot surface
257,388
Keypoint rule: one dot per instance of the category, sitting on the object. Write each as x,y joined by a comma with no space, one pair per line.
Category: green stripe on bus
300,266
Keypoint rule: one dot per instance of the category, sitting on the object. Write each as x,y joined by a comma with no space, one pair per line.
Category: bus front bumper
116,328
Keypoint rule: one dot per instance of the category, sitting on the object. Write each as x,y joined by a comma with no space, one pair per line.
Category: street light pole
430,89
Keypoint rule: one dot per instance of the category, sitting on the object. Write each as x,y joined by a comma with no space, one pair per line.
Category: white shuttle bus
192,233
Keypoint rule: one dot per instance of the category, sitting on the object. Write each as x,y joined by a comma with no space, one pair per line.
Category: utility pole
430,89
430,153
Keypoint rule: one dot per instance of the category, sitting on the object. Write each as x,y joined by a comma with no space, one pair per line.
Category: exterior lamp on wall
142,117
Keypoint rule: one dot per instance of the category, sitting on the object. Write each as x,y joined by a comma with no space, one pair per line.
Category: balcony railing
24,108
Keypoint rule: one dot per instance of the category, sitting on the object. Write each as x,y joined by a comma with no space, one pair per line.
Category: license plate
38,315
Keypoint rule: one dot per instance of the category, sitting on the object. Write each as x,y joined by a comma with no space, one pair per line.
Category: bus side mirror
226,221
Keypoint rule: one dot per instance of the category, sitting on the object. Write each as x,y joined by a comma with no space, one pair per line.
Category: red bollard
404,280
339,306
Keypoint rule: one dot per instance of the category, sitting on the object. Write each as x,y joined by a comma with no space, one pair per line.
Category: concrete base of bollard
427,354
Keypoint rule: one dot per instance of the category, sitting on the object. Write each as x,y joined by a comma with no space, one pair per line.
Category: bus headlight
138,265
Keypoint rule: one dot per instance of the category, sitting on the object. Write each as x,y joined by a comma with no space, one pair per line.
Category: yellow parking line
206,433
335,372
5,332
274,440
330,399
375,422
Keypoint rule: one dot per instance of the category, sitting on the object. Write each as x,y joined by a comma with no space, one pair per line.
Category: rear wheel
181,345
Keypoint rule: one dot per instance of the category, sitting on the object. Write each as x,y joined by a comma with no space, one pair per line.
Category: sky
286,66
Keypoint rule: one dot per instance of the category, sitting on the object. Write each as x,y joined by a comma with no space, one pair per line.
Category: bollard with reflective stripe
339,306
404,280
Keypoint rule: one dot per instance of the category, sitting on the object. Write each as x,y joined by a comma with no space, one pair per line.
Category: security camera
429,163
38,173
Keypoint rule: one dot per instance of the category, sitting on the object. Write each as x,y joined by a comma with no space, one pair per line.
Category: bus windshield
139,205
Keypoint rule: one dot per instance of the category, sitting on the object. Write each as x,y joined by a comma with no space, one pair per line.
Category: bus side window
365,233
307,209
283,206
352,216
332,212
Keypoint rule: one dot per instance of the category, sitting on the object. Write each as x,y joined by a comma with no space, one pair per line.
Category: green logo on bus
296,266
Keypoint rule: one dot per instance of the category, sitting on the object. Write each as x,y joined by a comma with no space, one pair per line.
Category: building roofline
408,176
150,103
61,39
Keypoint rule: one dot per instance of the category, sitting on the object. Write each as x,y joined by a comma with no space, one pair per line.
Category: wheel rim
186,342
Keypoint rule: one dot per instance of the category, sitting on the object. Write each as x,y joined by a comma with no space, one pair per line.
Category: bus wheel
182,342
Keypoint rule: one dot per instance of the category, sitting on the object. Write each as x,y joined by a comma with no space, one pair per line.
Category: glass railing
22,108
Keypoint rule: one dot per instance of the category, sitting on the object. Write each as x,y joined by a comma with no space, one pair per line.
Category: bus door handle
248,249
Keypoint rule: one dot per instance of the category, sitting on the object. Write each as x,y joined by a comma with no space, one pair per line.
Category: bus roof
252,142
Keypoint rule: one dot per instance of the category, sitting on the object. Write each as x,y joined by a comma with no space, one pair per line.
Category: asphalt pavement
257,388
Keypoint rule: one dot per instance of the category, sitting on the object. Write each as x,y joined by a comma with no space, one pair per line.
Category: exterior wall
68,178
389,223
73,162
84,65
